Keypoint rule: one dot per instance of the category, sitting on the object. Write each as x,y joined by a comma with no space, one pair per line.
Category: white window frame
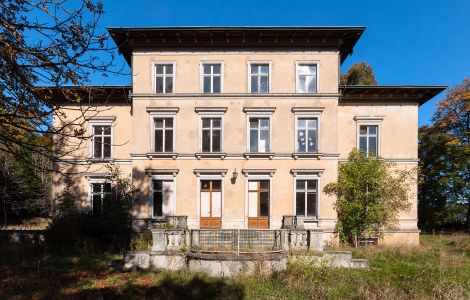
308,112
102,121
210,174
162,112
259,112
154,76
96,179
307,174
161,174
297,81
269,63
368,121
256,174
211,115
249,129
202,75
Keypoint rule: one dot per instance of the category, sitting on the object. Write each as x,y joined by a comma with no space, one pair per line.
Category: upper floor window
211,78
100,192
164,74
211,134
306,198
101,141
307,135
306,78
368,140
259,134
164,137
259,78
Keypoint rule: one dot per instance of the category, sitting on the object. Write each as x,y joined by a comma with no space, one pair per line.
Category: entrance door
258,204
211,204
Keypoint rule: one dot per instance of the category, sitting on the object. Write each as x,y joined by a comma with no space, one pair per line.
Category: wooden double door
211,204
258,204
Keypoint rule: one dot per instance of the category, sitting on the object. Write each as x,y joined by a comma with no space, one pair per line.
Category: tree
46,42
370,193
444,151
359,74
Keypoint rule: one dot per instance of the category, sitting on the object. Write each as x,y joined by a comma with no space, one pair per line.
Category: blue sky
415,42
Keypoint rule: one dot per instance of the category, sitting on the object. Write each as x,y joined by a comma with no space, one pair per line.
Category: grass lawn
440,268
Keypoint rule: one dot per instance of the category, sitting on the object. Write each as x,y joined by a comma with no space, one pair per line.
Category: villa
239,128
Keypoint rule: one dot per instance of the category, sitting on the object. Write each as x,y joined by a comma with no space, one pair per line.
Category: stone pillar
159,240
316,241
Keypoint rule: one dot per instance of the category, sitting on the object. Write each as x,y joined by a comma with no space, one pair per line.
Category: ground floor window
162,195
306,198
100,192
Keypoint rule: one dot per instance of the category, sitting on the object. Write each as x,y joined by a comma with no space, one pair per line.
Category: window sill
249,155
171,155
301,155
99,160
201,155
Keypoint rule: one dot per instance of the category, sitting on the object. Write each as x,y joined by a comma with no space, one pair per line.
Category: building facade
237,127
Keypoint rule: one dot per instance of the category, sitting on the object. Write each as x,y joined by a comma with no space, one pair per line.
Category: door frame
209,174
257,174
211,190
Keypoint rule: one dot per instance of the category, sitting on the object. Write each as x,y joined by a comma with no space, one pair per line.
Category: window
259,78
306,78
101,141
258,196
163,134
368,140
307,135
211,78
306,198
259,135
162,193
211,134
99,193
164,78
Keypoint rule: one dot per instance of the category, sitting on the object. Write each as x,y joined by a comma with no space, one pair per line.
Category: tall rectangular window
100,192
306,78
101,141
211,134
211,78
307,135
162,191
164,78
368,140
259,135
259,78
306,198
163,134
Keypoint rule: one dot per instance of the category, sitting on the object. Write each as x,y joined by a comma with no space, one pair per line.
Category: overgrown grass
439,269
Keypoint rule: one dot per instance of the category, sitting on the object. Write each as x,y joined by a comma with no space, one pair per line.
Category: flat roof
211,38
381,93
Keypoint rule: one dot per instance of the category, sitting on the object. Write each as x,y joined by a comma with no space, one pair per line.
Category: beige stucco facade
338,121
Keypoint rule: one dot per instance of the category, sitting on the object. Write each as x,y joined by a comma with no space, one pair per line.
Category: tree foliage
370,193
444,152
359,74
46,42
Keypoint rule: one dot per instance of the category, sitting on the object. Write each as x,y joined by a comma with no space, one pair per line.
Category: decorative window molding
307,172
369,122
162,113
315,63
308,110
258,172
208,172
101,119
259,110
210,110
169,172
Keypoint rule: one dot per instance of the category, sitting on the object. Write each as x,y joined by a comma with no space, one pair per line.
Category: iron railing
239,241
